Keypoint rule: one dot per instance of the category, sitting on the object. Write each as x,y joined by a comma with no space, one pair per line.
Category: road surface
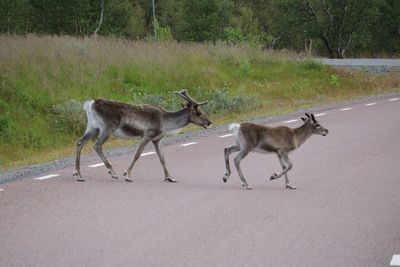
345,211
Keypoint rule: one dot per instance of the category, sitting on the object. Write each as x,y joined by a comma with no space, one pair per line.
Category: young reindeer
151,123
280,140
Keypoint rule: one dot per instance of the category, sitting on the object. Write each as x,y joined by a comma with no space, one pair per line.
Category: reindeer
151,123
280,140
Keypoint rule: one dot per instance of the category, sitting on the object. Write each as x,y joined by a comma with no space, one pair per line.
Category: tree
204,20
340,25
15,16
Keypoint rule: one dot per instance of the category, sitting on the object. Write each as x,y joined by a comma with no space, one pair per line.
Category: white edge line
225,135
394,99
395,260
320,114
46,177
370,104
290,121
189,144
344,109
147,153
96,165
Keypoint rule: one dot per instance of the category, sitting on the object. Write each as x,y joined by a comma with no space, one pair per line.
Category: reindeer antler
183,93
310,117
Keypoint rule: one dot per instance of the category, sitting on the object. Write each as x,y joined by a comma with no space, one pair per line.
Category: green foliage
221,100
333,80
310,65
163,34
168,101
328,28
44,81
68,118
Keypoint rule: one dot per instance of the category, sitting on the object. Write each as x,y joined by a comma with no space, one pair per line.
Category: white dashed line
344,109
96,165
147,153
226,135
370,104
394,99
189,144
395,260
320,114
290,121
1,189
47,177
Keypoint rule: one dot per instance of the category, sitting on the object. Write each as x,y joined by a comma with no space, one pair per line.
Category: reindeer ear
304,119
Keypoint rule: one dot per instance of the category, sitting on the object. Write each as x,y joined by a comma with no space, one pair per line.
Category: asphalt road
345,211
361,62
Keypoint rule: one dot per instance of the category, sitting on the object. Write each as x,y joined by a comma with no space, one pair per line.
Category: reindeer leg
160,154
98,146
81,143
227,152
289,166
286,166
239,157
143,142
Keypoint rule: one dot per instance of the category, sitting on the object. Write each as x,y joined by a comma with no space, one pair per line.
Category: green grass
44,80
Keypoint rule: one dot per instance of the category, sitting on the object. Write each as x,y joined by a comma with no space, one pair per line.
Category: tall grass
45,79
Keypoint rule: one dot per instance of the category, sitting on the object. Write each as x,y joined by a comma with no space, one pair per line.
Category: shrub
169,102
220,101
333,80
68,117
310,65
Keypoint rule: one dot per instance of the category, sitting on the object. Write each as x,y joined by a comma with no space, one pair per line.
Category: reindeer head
316,128
195,115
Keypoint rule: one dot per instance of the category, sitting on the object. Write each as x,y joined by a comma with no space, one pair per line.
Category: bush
170,102
68,117
310,65
220,101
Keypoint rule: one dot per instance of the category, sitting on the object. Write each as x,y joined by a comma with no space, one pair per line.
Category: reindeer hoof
225,178
125,174
247,186
274,176
291,187
78,177
170,180
113,175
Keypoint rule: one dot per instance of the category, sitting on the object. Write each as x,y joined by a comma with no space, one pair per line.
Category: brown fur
279,140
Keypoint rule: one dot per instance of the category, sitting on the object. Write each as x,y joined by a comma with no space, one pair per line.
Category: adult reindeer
266,139
151,123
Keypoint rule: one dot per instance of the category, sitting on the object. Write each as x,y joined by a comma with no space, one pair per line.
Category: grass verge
44,81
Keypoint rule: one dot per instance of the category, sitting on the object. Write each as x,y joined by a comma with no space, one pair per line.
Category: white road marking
225,135
147,153
1,189
394,99
290,121
370,104
47,177
96,165
320,114
189,144
344,109
395,260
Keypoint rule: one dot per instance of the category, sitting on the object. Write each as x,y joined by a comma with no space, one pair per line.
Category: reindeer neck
303,133
176,120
